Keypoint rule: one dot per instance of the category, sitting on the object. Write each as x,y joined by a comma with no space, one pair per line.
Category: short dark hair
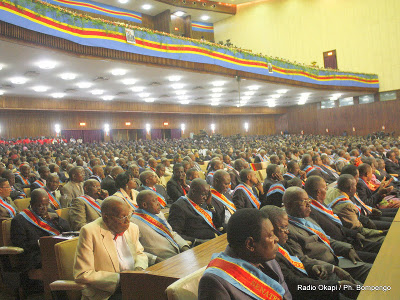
244,223
349,169
344,182
122,180
312,184
271,169
243,174
363,169
2,180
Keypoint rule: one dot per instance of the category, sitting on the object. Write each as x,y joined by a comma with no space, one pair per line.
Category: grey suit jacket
71,190
155,243
81,213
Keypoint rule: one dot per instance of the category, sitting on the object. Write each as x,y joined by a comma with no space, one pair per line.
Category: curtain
75,134
90,136
176,133
141,134
156,134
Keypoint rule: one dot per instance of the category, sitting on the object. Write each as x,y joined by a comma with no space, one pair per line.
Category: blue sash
119,194
343,199
91,202
325,211
37,221
249,194
8,207
163,203
276,188
293,260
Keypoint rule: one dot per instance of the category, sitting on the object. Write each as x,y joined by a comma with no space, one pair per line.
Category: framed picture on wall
130,36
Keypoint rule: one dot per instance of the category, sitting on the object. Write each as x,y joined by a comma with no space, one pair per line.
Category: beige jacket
81,213
96,259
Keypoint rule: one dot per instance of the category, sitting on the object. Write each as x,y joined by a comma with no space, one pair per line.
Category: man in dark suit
149,181
392,164
194,217
248,193
307,238
27,228
177,186
238,165
17,191
108,183
25,177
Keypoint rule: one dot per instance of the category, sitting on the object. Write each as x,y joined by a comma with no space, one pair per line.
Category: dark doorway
330,60
166,133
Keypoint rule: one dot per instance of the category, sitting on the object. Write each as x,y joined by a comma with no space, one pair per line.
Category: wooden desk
49,262
152,283
386,268
397,217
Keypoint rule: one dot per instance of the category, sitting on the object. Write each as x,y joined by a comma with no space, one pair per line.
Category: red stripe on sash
40,223
296,264
328,211
223,198
203,213
156,223
245,278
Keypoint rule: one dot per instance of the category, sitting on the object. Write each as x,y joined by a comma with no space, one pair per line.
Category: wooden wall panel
162,21
15,124
365,118
209,36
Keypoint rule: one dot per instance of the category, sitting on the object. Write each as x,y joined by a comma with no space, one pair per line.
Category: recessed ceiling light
185,102
301,102
58,95
246,98
84,85
148,100
177,86
179,13
271,104
1,67
137,89
143,95
40,88
174,78
305,94
204,18
275,96
214,103
217,90
146,6
216,95
253,87
107,98
129,81
68,76
46,64
218,83
123,1
283,91
181,92
18,80
97,92
249,93
183,97
118,72
1,92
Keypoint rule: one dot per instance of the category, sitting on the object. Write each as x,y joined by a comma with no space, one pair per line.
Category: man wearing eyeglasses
106,247
7,206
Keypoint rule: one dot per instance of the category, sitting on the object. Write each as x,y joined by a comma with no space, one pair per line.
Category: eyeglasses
284,229
304,202
123,219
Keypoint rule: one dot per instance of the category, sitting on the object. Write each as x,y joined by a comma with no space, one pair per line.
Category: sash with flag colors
155,223
8,207
343,199
39,183
52,199
324,210
313,230
23,179
253,167
34,219
322,170
119,194
289,175
366,208
276,188
160,198
245,277
21,195
229,167
262,158
293,260
221,198
334,172
206,215
253,198
91,202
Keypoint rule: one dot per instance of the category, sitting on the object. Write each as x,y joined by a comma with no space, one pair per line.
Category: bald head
313,184
296,202
113,205
199,191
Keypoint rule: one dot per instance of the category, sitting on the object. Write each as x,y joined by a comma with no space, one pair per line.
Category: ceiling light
123,1
18,80
253,87
179,13
129,81
97,92
185,102
205,18
46,64
218,83
177,86
107,98
275,96
146,6
283,91
1,67
148,100
216,95
214,103
305,94
249,93
58,95
181,92
271,104
246,98
183,97
84,85
217,90
143,95
174,78
1,92
243,102
40,88
137,89
68,76
118,72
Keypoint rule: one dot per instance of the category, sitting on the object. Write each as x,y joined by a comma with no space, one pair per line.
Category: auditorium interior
123,100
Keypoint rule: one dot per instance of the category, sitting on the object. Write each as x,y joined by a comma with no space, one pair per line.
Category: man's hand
353,256
158,259
376,212
303,175
209,198
359,239
322,271
103,194
343,275
138,269
185,248
259,187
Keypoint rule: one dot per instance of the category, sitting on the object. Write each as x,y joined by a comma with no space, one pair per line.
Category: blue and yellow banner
38,16
101,9
200,26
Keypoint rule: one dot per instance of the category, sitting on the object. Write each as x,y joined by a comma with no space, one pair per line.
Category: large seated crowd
315,213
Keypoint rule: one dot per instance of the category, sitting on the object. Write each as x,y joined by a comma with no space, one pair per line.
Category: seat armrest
394,175
6,250
66,285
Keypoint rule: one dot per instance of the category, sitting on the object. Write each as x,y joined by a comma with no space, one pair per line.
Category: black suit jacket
391,167
235,179
159,189
108,184
26,235
174,190
367,196
241,200
189,224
